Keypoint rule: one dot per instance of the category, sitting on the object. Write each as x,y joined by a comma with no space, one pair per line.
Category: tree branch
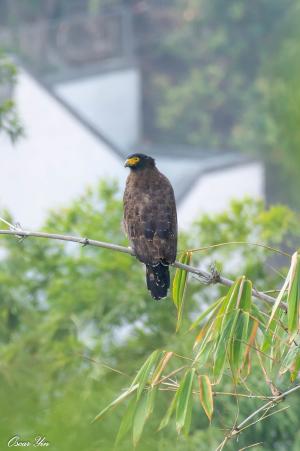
207,276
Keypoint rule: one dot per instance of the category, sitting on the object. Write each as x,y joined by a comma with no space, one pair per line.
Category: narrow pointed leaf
279,297
139,419
127,420
223,344
293,295
211,309
179,287
183,405
117,401
289,359
161,366
206,332
238,344
206,395
235,294
253,331
165,421
295,367
206,354
145,372
229,304
246,296
151,395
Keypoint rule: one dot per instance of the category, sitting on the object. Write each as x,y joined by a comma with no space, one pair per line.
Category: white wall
110,102
213,191
54,163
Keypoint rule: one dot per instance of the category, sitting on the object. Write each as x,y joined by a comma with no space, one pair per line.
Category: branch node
210,279
85,242
214,276
18,228
234,432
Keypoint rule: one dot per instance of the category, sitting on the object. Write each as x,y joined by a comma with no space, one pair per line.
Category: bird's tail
158,280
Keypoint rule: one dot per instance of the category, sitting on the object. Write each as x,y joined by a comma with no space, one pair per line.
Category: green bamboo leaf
289,359
229,304
207,334
145,372
295,367
205,354
151,395
256,313
165,421
179,287
270,333
235,294
223,343
293,300
211,309
238,344
184,405
280,296
221,314
117,401
246,296
127,420
252,332
206,395
161,366
139,419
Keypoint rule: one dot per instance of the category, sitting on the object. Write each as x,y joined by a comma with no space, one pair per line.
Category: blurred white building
64,152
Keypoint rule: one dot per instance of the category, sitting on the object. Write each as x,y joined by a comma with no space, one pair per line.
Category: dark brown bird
150,221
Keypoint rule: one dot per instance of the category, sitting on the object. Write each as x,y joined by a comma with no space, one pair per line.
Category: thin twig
264,416
266,406
127,250
168,386
104,365
251,446
273,388
168,376
247,243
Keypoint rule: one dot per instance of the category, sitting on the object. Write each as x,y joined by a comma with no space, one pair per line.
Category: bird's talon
214,274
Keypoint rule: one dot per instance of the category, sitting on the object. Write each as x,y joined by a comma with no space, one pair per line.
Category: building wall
56,160
110,102
213,191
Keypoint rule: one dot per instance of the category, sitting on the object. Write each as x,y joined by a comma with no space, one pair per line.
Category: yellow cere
132,161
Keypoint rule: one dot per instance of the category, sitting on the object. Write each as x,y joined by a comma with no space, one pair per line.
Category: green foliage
235,340
9,121
213,54
77,323
225,74
179,286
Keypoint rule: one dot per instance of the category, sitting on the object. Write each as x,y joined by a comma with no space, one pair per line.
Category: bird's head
139,161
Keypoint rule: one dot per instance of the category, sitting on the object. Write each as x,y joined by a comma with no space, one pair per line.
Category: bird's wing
150,220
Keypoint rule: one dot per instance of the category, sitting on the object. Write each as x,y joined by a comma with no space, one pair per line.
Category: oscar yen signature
37,441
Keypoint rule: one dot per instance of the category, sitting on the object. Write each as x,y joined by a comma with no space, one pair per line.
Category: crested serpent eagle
150,221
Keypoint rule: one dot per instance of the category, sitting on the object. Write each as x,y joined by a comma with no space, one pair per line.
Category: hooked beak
130,162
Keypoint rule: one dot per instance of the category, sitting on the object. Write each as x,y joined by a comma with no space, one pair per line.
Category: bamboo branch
207,276
272,403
